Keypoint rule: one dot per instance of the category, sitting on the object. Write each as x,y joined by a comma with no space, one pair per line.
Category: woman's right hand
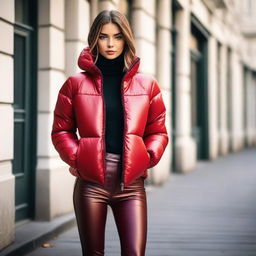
74,171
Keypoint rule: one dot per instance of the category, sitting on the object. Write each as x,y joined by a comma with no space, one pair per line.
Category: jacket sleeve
155,135
63,133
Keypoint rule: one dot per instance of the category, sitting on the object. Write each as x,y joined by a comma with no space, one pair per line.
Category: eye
102,37
119,37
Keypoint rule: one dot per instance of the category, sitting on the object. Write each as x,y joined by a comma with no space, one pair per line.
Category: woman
120,116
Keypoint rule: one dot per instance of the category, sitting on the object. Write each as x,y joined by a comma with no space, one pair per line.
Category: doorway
199,87
25,107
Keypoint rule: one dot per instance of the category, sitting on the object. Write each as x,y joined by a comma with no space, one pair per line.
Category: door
196,57
24,108
199,88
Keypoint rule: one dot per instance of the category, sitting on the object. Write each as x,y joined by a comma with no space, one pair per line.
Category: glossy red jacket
80,105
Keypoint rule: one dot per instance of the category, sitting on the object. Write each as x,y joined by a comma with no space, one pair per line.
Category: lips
110,52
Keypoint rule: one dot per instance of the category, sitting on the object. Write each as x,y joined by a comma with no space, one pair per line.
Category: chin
110,56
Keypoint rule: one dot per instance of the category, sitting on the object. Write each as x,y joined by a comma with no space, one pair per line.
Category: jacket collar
86,63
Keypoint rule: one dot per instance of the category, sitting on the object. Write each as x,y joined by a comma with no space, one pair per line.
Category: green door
199,87
24,108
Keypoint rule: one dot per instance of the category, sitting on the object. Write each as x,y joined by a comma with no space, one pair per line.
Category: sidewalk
208,212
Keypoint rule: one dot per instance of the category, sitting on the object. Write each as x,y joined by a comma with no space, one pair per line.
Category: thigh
90,204
130,213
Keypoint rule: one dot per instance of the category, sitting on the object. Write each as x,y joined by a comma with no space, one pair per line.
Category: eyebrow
120,33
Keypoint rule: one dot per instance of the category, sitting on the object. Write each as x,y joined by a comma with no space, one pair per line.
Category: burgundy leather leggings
129,209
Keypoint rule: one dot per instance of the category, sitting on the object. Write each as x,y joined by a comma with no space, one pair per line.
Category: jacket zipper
104,123
122,93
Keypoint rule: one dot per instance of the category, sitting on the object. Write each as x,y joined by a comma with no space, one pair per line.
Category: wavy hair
115,17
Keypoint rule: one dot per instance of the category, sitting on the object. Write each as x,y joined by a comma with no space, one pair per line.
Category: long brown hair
115,17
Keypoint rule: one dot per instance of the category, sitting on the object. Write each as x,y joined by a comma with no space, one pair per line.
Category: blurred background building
202,52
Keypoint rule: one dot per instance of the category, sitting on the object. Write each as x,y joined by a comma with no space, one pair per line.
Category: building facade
202,53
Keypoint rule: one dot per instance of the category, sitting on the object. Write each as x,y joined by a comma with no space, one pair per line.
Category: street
210,211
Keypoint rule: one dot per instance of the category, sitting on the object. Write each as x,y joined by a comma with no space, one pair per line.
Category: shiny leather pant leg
91,211
129,209
130,213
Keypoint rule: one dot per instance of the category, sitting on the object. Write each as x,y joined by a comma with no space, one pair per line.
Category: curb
33,234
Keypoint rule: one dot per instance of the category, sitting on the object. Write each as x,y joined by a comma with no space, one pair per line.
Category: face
111,41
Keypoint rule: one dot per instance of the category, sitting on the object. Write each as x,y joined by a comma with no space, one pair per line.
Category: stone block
57,12
148,6
6,135
164,14
44,145
185,154
147,64
77,20
7,202
6,42
143,26
7,10
51,45
73,50
61,196
53,198
52,13
49,83
6,74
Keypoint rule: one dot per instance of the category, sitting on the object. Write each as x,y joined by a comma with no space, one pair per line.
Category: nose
110,42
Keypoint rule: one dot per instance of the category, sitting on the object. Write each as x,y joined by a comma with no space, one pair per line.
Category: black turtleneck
112,71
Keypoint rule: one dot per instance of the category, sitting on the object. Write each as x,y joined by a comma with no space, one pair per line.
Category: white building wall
236,135
250,112
54,183
213,98
77,22
143,12
185,146
7,180
155,39
161,172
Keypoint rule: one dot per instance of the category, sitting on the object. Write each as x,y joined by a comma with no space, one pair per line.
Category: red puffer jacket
80,104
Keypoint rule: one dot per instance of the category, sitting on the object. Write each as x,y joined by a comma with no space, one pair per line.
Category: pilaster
185,146
212,98
7,179
53,182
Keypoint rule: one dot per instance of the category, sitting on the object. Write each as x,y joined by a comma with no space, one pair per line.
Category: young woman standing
120,117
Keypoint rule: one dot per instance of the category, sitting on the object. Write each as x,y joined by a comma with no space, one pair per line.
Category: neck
111,66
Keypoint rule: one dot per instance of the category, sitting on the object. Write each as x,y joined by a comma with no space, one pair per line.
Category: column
161,172
246,105
254,107
236,111
93,10
77,19
212,98
54,184
143,12
7,180
223,134
185,148
253,110
148,12
250,109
